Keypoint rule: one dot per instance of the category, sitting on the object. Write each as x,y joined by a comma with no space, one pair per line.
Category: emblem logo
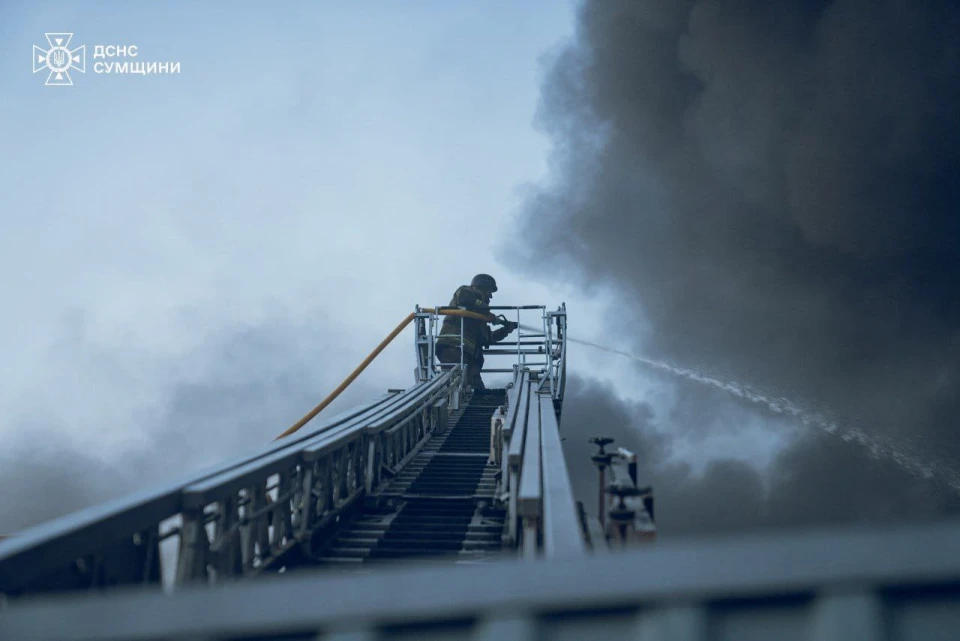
59,59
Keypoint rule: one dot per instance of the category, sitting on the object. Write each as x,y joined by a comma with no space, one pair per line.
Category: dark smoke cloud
255,382
42,479
773,188
817,481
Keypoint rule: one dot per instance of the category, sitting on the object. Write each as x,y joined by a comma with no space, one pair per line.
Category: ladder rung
511,352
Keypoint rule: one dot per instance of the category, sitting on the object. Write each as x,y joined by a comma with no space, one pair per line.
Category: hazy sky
190,262
311,168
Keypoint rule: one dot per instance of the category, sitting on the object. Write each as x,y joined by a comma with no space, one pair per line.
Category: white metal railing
239,519
539,346
542,517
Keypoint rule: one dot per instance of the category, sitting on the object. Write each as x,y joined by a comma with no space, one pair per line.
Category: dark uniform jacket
476,333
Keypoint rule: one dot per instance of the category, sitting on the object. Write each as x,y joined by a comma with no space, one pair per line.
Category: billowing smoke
819,480
773,189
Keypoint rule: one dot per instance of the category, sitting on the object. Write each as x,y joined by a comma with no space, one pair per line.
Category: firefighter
475,297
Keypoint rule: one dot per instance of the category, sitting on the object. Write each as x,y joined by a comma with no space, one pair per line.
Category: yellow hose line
369,359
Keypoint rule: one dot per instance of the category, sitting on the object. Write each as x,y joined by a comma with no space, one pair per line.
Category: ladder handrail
561,527
132,524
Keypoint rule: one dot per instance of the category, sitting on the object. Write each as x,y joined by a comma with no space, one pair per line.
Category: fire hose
445,311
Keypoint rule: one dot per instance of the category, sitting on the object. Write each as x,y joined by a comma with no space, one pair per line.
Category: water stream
878,448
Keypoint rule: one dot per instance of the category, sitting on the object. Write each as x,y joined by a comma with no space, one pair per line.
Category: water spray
877,448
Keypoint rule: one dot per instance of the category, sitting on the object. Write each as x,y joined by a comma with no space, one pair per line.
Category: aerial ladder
438,471
443,512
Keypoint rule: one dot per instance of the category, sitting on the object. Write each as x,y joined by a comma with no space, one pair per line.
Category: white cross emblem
59,59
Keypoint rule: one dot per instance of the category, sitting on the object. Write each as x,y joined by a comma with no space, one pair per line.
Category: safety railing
239,519
867,584
539,345
542,519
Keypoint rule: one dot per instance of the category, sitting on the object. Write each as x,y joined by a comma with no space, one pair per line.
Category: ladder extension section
243,518
440,506
425,473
